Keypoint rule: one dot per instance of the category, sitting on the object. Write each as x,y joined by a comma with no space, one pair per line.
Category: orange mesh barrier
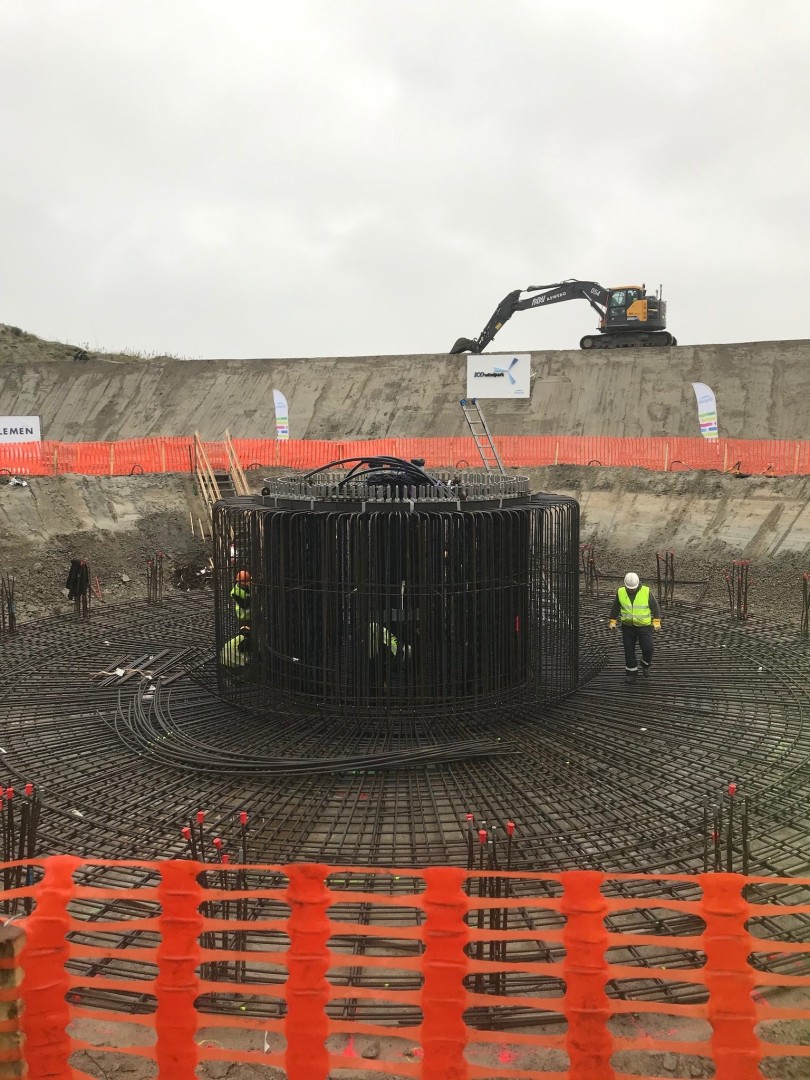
165,919
754,456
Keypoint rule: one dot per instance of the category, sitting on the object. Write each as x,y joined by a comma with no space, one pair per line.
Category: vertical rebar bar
705,836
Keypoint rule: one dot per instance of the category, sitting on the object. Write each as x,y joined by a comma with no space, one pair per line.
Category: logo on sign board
508,371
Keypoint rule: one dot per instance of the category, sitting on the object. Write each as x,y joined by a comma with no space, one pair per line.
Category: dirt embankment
707,519
114,523
762,389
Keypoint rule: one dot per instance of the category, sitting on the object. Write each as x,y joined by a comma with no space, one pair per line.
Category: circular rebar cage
339,595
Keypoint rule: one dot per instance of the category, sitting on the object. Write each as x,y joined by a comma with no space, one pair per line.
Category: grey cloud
319,178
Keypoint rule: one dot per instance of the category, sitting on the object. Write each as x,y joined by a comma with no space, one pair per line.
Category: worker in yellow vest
240,594
637,610
236,652
382,642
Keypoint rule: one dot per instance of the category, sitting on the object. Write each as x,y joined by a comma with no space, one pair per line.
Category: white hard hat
631,581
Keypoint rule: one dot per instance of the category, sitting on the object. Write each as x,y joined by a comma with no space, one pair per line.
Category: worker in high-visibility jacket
637,610
240,594
382,641
236,652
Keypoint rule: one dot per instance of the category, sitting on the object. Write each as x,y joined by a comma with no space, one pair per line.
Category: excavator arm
539,296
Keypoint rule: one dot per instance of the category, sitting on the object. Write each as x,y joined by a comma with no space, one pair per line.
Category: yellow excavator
628,316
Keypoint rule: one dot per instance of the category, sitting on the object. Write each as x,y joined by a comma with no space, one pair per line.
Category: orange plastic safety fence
164,454
159,918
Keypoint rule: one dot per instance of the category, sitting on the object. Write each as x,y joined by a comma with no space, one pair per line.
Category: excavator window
617,299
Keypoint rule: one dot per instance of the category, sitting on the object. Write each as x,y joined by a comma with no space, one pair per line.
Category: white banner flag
282,415
707,410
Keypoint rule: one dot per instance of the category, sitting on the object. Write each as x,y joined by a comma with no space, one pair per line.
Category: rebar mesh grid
614,777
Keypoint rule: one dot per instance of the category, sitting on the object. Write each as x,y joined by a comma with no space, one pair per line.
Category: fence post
46,982
444,965
731,1010
177,985
12,1040
586,970
306,1025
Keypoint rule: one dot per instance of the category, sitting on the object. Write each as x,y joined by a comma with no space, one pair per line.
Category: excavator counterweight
629,317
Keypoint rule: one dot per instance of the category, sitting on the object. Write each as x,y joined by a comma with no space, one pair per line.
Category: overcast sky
351,177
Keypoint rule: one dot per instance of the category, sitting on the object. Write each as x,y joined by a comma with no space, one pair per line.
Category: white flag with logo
282,415
707,410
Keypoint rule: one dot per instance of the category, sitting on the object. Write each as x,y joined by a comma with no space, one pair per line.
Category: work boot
645,670
630,676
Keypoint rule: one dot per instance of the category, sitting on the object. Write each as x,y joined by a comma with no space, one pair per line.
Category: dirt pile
114,523
17,346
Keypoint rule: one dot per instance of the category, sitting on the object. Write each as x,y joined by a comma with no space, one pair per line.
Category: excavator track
638,340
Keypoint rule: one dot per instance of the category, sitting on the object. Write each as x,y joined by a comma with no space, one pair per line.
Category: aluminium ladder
481,435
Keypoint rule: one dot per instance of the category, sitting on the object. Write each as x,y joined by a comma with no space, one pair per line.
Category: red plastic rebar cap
186,833
200,817
510,828
732,788
217,842
482,835
243,817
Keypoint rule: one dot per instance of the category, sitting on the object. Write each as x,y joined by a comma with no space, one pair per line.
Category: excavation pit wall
762,391
708,519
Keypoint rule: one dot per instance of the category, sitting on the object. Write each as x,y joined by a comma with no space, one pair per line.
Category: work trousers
644,636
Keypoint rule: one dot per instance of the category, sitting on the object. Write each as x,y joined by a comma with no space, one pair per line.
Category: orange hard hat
243,577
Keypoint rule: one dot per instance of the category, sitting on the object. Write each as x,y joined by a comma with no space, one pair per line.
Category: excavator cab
626,304
630,309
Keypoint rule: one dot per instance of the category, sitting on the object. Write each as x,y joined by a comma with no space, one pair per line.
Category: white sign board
20,429
507,376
